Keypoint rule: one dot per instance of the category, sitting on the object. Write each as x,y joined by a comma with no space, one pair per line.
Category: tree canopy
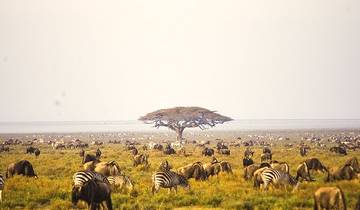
179,118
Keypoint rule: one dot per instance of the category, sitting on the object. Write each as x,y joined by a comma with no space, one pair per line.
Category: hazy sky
117,60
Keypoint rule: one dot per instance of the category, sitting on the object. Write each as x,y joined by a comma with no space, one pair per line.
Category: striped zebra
278,178
2,184
168,179
81,177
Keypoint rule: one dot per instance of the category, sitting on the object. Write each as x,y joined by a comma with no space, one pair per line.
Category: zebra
81,177
276,177
2,184
168,179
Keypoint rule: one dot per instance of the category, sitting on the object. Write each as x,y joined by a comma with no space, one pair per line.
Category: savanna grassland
55,169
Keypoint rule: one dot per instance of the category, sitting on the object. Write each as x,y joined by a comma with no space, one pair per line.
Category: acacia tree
179,118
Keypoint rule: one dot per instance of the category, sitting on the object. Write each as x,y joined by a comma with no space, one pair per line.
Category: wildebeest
193,170
353,162
248,152
343,173
224,151
4,149
215,167
141,159
121,183
82,153
93,193
30,150
22,167
280,166
250,170
303,150
266,150
266,157
110,168
89,157
98,153
247,161
158,147
303,170
339,150
134,151
207,152
37,152
329,198
169,151
165,166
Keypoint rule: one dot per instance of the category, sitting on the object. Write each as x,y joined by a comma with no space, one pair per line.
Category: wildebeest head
165,166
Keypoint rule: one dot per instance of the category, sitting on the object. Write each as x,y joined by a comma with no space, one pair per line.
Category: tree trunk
179,134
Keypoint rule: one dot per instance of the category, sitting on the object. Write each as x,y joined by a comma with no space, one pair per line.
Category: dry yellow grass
55,170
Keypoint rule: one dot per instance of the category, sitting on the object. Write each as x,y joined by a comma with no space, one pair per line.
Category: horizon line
114,121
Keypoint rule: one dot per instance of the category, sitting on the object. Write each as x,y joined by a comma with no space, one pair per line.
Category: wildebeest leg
175,189
109,203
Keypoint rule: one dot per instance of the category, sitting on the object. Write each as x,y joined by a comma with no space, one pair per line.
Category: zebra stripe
2,184
81,177
274,176
168,179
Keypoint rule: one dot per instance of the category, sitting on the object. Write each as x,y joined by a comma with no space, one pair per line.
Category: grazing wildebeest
134,151
141,159
224,151
266,157
30,150
329,198
89,157
98,153
4,149
193,170
37,152
93,193
339,150
353,162
343,173
207,152
266,150
303,170
248,152
122,183
165,166
158,147
22,167
247,161
169,151
250,170
215,167
280,166
82,153
110,168
304,150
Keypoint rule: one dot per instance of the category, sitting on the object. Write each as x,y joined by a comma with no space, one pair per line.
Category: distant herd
98,179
